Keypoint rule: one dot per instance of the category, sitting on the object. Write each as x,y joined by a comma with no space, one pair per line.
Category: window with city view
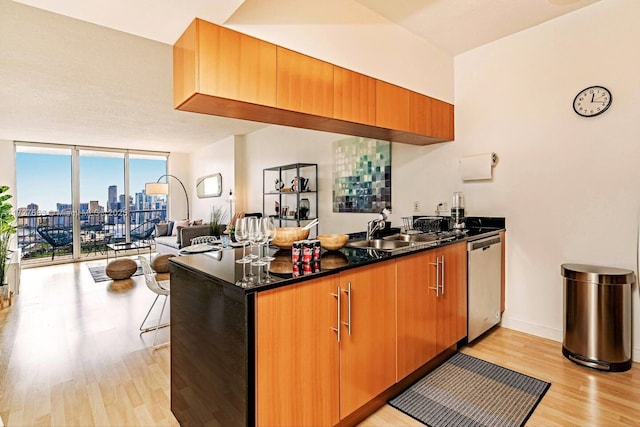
108,204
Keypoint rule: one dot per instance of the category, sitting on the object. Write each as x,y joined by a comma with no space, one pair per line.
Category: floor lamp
163,188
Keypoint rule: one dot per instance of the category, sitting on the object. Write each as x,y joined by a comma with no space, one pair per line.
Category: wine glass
258,238
269,231
242,237
253,231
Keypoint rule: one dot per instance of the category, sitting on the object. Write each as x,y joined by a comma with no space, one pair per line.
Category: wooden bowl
333,242
285,236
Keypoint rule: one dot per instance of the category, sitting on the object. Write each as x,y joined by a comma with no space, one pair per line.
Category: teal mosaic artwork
361,175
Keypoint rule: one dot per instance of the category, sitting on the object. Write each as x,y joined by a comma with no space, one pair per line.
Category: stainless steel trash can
597,316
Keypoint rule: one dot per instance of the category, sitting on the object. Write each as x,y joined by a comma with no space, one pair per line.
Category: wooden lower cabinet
416,311
297,376
368,353
429,323
451,305
304,376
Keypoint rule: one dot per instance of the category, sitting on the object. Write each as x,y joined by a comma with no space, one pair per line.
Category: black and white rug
98,274
466,391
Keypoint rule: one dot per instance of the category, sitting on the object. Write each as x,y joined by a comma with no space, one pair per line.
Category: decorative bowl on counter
333,242
285,236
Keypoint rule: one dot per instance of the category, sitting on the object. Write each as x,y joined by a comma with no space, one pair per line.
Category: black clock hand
592,95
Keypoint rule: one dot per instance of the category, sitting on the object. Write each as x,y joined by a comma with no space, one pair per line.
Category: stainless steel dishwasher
483,282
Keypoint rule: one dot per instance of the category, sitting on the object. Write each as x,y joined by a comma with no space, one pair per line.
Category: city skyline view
45,179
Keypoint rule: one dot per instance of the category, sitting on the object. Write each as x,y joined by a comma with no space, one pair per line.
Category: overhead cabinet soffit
222,72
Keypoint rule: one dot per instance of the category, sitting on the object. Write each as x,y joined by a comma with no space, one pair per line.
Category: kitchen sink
380,244
402,241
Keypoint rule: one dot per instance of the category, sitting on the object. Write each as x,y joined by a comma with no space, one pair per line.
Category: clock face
592,101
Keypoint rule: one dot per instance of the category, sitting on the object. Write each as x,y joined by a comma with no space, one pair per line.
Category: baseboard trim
549,333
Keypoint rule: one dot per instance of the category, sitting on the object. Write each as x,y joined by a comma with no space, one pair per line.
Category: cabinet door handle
437,288
337,295
348,322
442,281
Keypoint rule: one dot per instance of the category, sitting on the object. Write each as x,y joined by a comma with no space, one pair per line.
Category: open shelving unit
290,194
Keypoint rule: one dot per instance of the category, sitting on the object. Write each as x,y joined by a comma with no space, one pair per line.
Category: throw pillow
170,230
177,224
162,229
196,222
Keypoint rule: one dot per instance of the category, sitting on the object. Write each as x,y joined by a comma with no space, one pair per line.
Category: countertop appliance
457,210
484,275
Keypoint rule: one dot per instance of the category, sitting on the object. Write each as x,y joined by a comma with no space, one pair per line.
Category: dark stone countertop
221,267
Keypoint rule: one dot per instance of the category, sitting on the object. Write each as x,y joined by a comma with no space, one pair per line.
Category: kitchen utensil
311,224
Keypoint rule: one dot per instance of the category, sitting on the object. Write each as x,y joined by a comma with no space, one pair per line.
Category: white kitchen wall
569,186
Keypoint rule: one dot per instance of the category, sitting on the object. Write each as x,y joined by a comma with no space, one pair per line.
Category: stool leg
151,328
158,326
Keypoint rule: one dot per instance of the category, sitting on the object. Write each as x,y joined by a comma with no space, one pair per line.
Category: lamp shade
156,188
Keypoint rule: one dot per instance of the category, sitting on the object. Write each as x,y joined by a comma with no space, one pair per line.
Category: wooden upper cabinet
222,72
236,66
392,106
354,96
442,120
305,84
226,64
185,78
430,116
420,120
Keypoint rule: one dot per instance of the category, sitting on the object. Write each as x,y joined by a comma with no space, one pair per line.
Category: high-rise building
95,213
112,197
27,217
62,217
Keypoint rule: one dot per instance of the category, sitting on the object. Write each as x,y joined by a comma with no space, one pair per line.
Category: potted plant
7,228
216,220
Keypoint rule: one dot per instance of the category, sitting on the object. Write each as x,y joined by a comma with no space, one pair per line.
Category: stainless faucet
377,224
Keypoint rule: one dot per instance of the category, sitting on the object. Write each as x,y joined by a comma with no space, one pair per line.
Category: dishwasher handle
483,243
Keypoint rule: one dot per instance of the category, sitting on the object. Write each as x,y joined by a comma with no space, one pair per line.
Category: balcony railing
45,238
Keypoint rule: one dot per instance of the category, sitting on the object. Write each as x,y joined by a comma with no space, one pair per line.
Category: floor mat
466,391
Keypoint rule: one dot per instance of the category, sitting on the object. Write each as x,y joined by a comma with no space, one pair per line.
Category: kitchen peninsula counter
213,326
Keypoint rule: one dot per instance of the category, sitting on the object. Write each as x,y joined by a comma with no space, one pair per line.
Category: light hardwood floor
70,355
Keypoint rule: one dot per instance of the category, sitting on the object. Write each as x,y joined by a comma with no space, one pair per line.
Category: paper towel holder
478,166
494,158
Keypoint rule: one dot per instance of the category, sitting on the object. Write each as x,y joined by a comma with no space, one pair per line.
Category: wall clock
592,101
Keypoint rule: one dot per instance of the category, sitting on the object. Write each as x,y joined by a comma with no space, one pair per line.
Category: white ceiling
454,26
